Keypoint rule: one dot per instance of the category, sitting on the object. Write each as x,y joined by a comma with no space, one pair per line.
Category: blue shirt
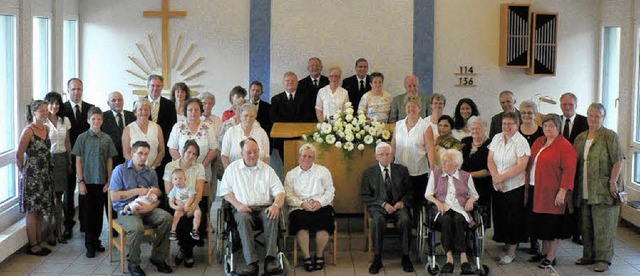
125,177
94,149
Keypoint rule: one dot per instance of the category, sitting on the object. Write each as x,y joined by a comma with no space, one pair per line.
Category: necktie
154,111
78,113
290,97
361,86
315,83
387,184
120,121
565,130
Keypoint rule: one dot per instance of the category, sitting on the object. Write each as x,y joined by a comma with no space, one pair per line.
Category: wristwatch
80,181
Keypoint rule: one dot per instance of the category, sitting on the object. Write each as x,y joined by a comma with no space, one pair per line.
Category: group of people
158,158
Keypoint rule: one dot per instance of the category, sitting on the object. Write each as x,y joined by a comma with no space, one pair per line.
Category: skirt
312,221
509,217
60,171
551,226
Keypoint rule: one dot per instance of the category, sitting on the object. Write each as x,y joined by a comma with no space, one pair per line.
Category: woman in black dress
475,153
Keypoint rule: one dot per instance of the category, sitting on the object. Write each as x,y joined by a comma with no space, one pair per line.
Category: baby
149,198
180,199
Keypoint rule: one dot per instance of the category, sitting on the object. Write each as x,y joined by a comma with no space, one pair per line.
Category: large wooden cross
165,14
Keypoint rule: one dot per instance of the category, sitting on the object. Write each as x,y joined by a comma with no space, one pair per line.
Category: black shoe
376,265
91,253
135,270
41,252
179,258
447,268
189,264
99,248
249,270
271,266
466,268
407,266
577,239
68,233
161,266
546,263
308,265
318,262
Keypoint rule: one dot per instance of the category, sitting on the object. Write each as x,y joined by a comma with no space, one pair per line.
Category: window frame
49,82
634,139
77,53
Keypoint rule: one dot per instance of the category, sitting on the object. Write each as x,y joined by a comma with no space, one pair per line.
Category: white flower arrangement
349,131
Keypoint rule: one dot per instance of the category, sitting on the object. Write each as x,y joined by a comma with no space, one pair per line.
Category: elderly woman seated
310,191
454,193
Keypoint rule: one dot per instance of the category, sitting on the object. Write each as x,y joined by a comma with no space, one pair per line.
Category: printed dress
36,179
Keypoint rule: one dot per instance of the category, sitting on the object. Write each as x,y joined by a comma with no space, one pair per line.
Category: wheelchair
228,241
426,239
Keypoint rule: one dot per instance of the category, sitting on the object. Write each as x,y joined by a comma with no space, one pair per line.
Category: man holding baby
130,180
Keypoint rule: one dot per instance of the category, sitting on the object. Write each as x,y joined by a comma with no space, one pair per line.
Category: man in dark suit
387,191
163,112
263,108
359,83
76,110
289,106
508,103
114,121
572,125
313,82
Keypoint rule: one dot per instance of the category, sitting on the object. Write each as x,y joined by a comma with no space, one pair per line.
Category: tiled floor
352,260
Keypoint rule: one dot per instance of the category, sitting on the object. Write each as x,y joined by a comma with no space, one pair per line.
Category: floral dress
36,179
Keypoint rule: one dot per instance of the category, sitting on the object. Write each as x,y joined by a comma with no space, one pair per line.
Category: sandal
466,268
546,263
173,236
179,258
319,263
195,235
42,252
308,264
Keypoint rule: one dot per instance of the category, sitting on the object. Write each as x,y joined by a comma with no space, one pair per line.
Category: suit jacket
77,126
399,112
373,191
496,123
311,92
353,87
110,126
167,117
283,111
264,117
579,125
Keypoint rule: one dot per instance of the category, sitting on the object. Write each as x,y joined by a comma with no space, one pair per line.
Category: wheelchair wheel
433,270
422,236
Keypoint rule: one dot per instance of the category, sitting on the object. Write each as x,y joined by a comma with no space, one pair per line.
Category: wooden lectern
346,174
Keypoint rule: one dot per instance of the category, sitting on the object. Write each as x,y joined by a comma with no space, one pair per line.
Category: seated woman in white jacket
310,191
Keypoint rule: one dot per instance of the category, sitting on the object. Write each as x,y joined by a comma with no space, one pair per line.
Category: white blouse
330,102
505,155
315,183
410,147
194,173
434,127
233,137
136,134
58,134
204,137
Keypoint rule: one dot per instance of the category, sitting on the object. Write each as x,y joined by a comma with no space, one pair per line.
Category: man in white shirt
256,193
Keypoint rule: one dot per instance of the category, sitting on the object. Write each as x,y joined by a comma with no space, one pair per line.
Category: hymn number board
465,76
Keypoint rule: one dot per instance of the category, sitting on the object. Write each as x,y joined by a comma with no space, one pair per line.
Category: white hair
307,146
382,145
457,156
477,119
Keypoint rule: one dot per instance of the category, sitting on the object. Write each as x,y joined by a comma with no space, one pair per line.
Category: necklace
38,128
477,144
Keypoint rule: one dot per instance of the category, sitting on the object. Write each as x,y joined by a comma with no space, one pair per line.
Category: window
41,56
8,97
635,135
70,50
611,75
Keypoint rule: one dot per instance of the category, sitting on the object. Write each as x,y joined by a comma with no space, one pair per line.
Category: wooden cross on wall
165,14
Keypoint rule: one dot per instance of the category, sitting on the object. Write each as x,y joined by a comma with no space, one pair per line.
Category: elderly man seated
453,191
128,181
387,191
256,193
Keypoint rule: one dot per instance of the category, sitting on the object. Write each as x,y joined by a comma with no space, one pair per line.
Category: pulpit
346,168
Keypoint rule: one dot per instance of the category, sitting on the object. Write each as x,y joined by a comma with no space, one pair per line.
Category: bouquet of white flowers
348,131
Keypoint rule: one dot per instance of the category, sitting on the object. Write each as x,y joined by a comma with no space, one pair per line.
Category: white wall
110,30
466,33
380,31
